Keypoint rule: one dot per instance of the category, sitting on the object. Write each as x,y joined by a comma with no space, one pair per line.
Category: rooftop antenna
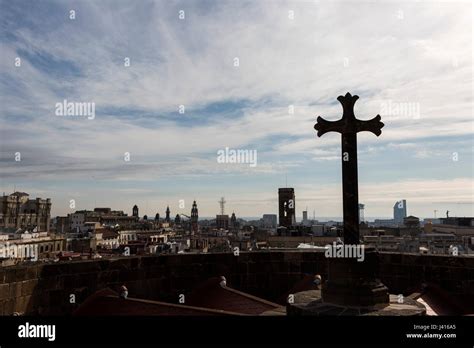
435,213
222,202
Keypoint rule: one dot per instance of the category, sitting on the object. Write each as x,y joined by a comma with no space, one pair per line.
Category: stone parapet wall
46,289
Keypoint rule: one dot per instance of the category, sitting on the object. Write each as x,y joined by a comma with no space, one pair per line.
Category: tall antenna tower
222,203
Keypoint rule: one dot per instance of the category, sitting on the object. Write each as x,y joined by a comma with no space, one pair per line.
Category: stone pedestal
353,288
354,281
310,303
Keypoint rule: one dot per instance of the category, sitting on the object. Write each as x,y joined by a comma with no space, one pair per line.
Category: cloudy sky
248,75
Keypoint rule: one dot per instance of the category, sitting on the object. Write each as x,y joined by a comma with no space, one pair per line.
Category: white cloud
424,58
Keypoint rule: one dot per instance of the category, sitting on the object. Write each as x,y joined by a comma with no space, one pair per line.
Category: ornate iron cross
349,126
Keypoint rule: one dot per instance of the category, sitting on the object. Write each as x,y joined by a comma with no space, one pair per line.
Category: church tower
233,222
167,214
194,218
135,211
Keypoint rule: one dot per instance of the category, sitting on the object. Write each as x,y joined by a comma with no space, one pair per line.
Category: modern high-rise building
286,206
361,212
400,211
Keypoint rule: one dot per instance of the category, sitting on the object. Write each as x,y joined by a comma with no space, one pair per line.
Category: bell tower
167,219
194,218
135,211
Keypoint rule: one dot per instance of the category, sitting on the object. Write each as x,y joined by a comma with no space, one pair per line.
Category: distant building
118,219
35,245
462,226
19,211
77,221
61,224
135,211
411,221
167,219
269,220
107,239
194,219
104,211
233,222
361,212
104,216
222,221
400,211
305,220
286,207
383,223
431,221
458,221
318,230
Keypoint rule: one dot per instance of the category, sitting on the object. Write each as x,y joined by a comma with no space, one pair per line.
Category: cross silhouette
349,126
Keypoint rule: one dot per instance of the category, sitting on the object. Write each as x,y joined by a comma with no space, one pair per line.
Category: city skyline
184,97
181,207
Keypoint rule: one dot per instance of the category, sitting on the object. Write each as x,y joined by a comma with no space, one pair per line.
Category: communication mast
222,203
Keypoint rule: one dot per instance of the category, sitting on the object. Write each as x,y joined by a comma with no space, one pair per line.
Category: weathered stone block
20,273
4,291
87,280
84,267
50,283
294,266
8,306
54,270
70,281
10,275
21,304
31,272
28,287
